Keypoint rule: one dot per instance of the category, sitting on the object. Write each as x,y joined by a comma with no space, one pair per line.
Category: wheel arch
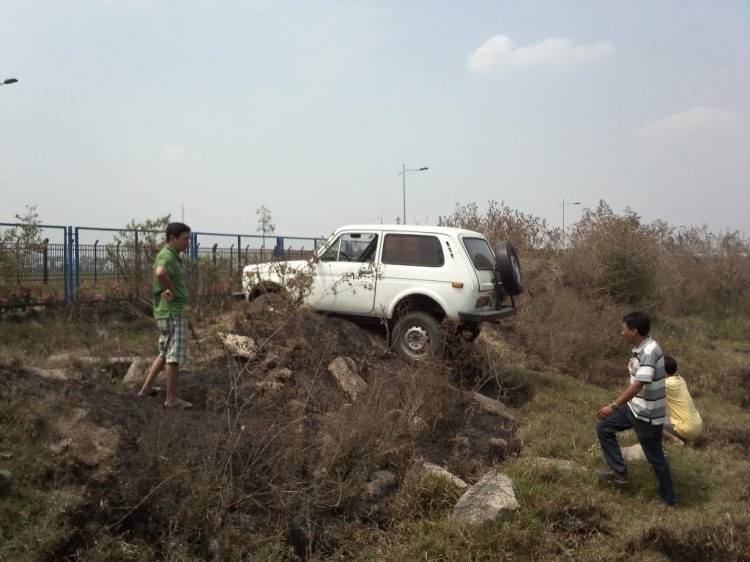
417,302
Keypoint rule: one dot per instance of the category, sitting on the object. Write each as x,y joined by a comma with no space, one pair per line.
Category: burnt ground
253,464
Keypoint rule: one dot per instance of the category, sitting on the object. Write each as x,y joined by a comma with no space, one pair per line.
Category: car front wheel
417,335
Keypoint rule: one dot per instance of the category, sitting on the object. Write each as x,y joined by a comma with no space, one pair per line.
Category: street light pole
564,204
402,173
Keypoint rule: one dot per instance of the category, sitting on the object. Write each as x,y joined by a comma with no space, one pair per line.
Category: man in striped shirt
642,407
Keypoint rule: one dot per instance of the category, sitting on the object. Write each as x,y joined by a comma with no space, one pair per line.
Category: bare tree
265,222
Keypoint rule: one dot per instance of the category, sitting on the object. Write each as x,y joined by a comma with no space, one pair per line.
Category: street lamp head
577,203
423,169
10,81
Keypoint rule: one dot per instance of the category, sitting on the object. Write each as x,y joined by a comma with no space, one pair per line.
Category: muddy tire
509,268
417,335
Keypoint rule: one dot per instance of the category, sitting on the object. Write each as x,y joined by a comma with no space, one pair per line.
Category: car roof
410,228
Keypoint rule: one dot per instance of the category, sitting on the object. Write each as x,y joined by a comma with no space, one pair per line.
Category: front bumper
494,315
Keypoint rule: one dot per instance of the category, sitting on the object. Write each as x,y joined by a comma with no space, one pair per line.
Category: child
684,422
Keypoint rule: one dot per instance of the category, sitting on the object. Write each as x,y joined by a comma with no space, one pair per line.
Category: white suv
411,276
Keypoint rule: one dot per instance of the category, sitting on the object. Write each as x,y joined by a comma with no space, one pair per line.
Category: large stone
633,453
497,447
239,346
381,482
54,374
493,406
137,372
440,473
344,370
559,464
490,498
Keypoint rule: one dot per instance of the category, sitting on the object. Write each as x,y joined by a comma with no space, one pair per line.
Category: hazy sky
129,108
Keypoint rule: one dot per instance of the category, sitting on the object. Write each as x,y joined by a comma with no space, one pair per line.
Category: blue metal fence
56,263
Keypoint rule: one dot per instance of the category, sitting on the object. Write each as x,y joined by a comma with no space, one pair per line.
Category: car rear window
409,249
480,253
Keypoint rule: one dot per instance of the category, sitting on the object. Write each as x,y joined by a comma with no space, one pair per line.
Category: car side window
410,249
352,247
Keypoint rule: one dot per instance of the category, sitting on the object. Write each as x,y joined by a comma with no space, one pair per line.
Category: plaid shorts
173,338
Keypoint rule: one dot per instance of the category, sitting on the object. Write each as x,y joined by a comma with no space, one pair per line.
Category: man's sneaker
612,476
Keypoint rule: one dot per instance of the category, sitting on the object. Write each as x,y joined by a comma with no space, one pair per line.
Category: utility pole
564,204
403,176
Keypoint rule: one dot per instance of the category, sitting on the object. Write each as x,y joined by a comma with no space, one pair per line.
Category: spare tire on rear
508,268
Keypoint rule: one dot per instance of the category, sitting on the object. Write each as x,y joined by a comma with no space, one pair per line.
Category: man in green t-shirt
170,297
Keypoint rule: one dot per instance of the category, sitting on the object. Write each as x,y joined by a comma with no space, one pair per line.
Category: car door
345,274
409,259
482,259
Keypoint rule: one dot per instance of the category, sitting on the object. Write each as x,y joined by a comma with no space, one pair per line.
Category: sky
132,109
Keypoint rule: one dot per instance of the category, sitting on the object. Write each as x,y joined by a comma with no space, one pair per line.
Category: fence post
231,259
239,253
45,258
280,247
137,265
119,263
213,253
68,264
77,262
95,259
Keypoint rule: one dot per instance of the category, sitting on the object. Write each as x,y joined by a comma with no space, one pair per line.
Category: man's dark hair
670,365
175,229
638,321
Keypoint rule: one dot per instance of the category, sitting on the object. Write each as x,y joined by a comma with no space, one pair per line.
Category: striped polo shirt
647,365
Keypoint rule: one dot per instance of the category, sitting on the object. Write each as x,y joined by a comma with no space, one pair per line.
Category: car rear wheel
417,335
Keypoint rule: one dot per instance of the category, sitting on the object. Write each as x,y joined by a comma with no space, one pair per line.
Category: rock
137,372
344,370
270,386
559,464
60,447
442,474
417,426
281,375
271,361
60,358
493,406
240,346
54,374
633,453
381,482
490,498
497,447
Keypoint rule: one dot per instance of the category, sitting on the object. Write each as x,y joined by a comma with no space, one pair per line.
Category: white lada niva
412,277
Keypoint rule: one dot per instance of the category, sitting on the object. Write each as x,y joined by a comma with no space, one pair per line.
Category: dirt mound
274,454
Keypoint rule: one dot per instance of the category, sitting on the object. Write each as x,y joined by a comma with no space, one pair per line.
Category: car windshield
480,253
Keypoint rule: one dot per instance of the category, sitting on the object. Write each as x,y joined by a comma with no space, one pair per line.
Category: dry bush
574,520
422,494
567,330
727,540
571,310
500,222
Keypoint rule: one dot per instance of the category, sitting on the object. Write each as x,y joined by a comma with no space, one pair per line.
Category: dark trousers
650,438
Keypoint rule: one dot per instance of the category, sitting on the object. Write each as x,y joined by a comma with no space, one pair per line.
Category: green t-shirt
170,260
